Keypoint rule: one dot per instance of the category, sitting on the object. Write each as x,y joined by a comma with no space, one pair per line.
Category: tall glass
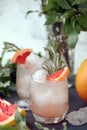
23,78
49,100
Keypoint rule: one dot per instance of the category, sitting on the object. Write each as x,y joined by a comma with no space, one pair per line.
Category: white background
24,32
30,32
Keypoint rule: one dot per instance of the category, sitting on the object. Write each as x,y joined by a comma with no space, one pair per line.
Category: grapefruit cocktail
27,62
49,98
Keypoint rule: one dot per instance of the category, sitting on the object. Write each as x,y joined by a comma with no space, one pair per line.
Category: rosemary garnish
55,59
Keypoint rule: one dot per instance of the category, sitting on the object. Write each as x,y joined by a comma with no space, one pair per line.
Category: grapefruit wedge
7,112
59,75
20,56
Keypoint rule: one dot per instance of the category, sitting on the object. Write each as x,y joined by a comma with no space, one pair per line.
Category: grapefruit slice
20,56
7,112
59,75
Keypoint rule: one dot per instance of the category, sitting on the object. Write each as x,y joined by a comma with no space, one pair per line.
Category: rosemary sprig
8,47
55,56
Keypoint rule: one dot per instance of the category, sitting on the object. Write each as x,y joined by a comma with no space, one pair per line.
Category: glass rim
47,81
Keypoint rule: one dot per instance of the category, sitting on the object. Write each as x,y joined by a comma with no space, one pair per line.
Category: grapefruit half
59,75
20,56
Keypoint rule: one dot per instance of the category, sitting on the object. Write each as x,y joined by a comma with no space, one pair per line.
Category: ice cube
33,60
78,117
40,75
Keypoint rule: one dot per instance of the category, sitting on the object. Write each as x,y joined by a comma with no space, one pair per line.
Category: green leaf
76,26
67,16
50,5
22,125
72,40
51,18
64,4
5,84
82,20
8,72
64,125
19,117
40,126
67,28
20,121
7,128
30,11
5,72
79,2
5,76
71,26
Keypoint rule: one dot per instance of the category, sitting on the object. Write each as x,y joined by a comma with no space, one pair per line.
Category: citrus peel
59,75
81,80
20,56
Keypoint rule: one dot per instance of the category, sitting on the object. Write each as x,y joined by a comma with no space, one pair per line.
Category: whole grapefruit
81,80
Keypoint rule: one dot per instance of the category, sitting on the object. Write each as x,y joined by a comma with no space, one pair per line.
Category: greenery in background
72,14
8,71
64,20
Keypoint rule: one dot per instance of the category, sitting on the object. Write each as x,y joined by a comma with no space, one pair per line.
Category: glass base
24,104
47,120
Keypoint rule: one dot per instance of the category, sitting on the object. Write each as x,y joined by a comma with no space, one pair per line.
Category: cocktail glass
23,78
49,100
23,86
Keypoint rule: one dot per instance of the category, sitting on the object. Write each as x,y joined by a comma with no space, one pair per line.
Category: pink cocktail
49,100
23,78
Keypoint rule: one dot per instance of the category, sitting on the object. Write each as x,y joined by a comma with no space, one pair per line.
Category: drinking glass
23,86
23,78
49,100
